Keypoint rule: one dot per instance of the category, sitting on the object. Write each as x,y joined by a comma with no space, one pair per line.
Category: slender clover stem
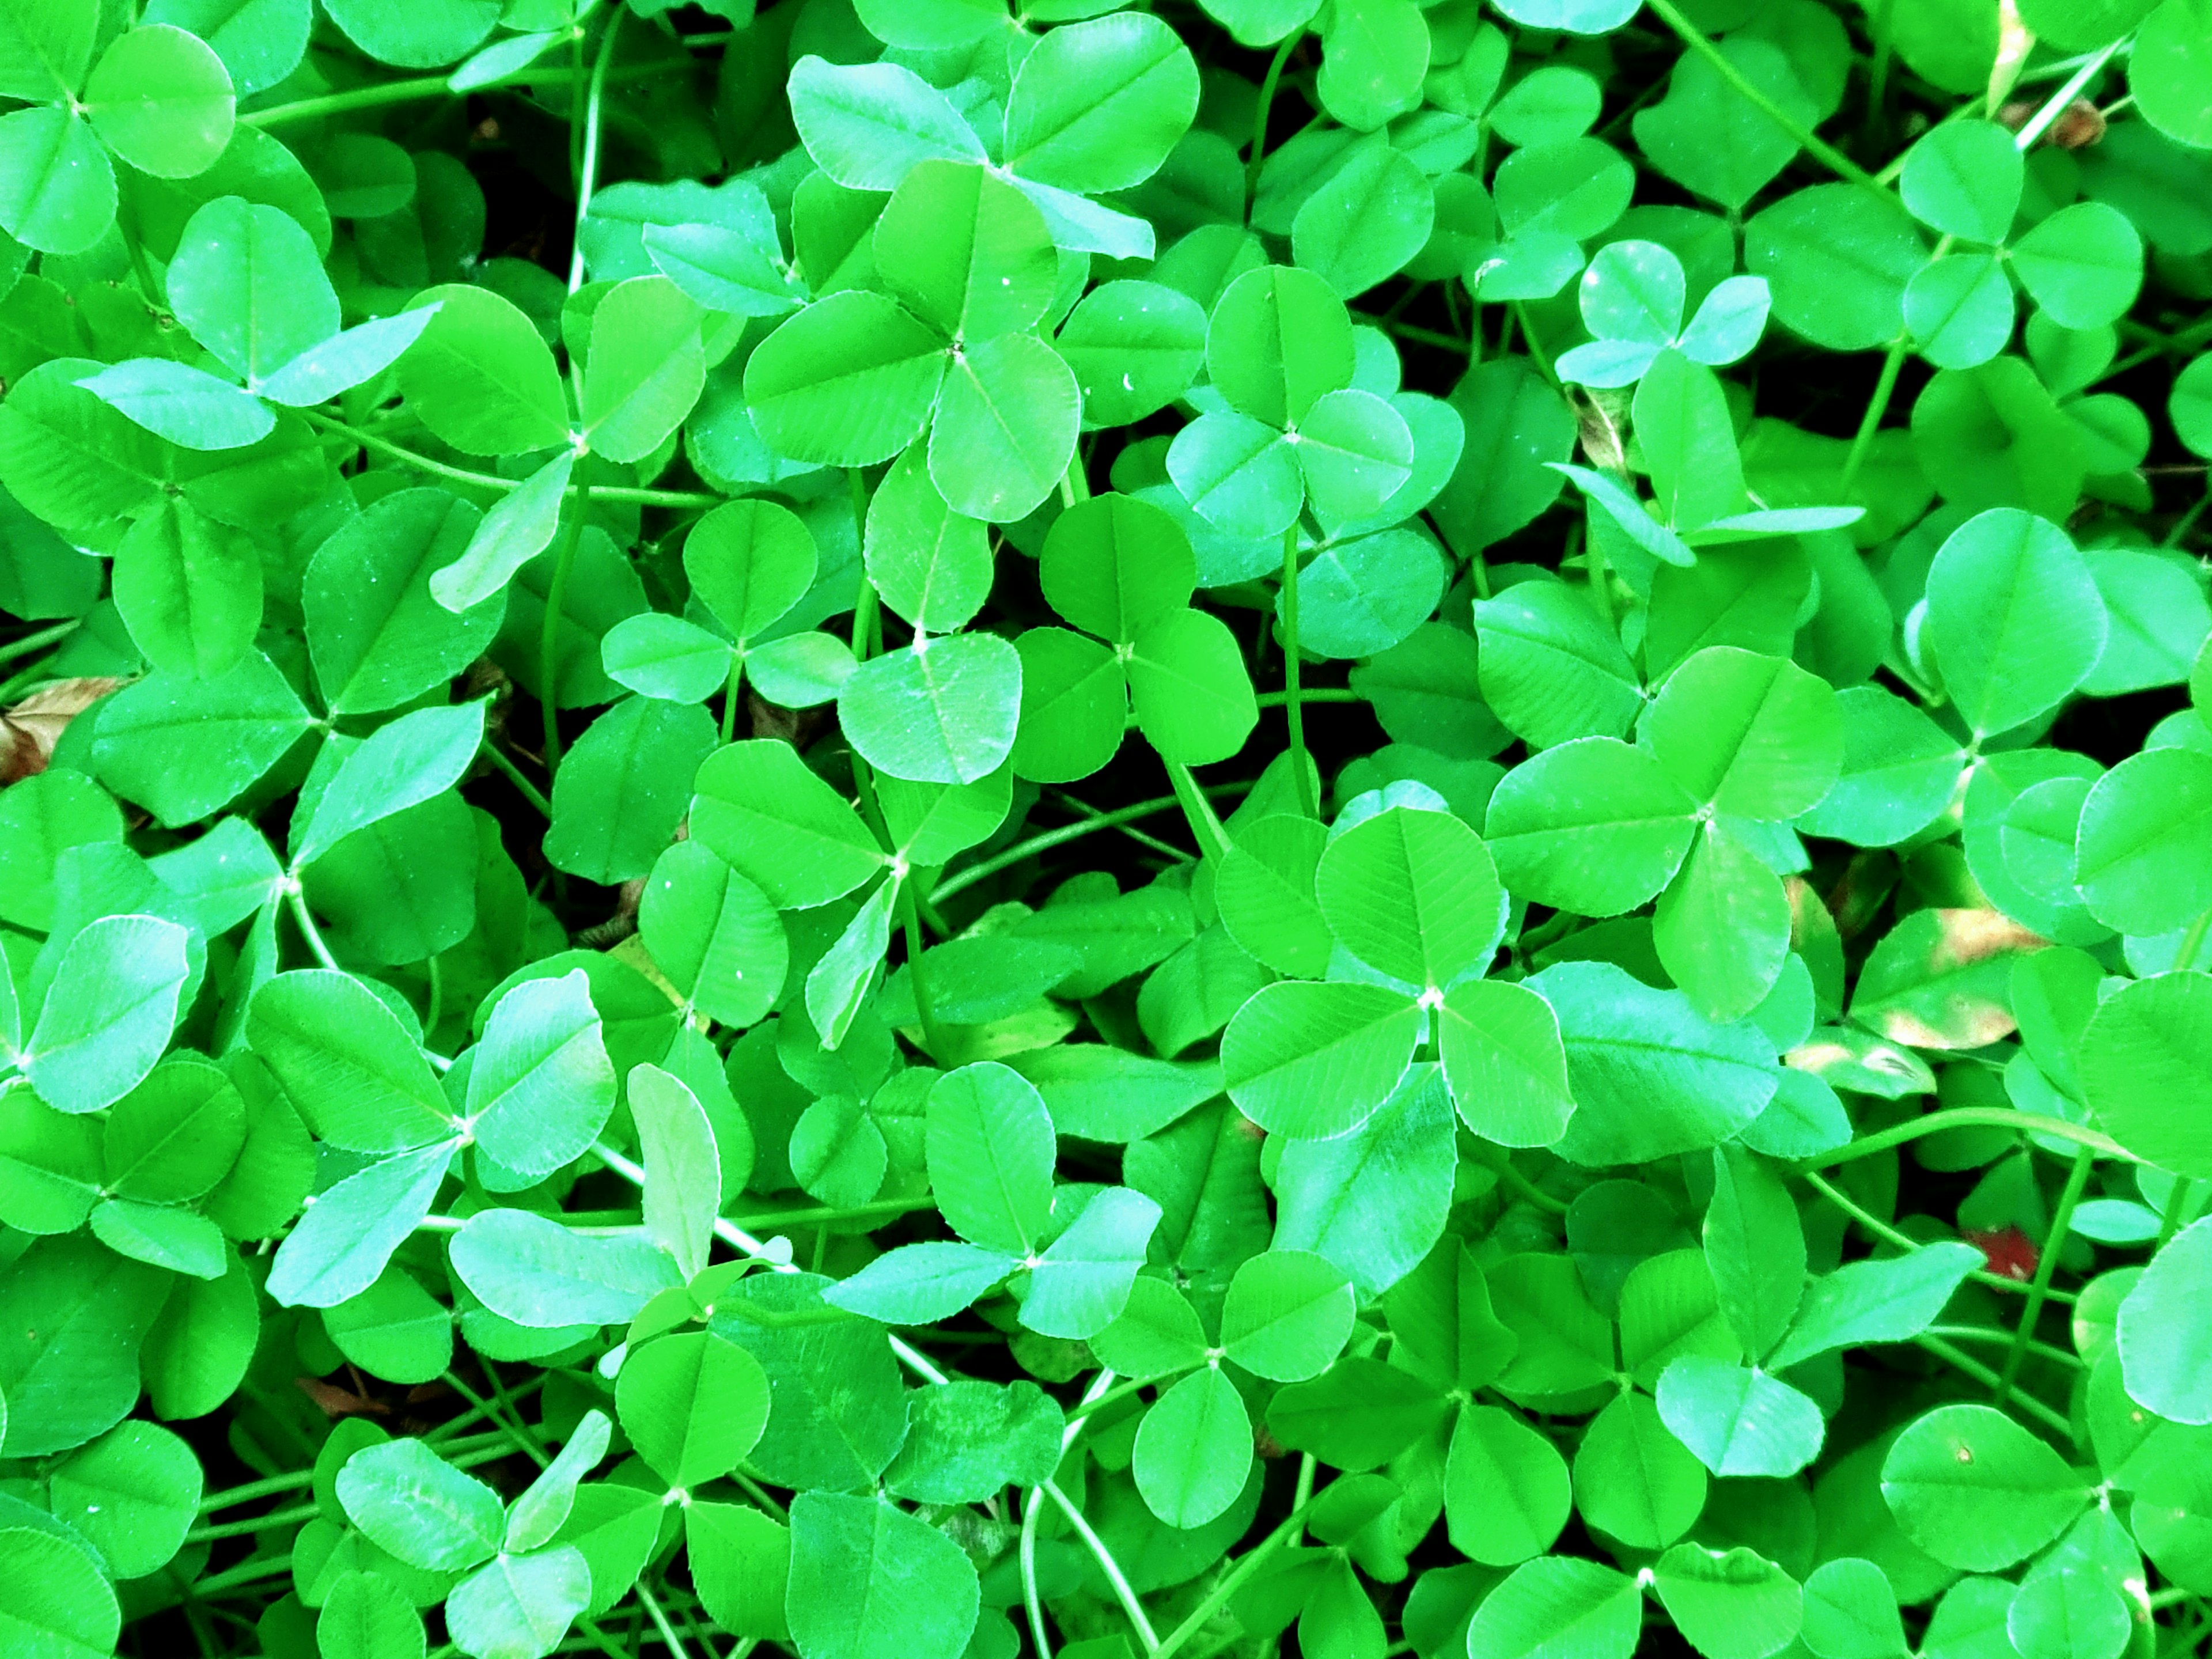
932,1038
2055,106
1261,110
1212,839
2062,1219
1877,406
1123,1592
1031,1508
2193,940
246,1572
1984,1117
43,638
2056,1356
1695,38
1301,767
681,499
549,639
419,88
1959,1360
731,692
2177,1206
655,1611
1536,343
208,1534
1166,849
512,774
588,169
1045,840
297,901
1232,1581
1891,1235
1501,1162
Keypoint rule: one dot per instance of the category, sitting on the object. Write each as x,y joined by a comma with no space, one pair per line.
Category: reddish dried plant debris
2010,1253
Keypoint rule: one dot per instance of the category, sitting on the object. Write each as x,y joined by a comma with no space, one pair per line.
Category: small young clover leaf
1278,350
1122,570
286,346
749,562
2082,263
1632,298
1410,896
857,376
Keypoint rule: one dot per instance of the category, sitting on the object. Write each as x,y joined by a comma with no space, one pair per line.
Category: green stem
246,1572
1903,1241
513,773
1433,337
549,639
1166,849
1981,1117
730,694
2056,1356
297,901
43,638
932,1038
2177,1206
1695,38
257,1523
1232,1581
2187,521
659,1617
588,169
1030,1510
1045,840
514,1428
2193,940
1123,1592
881,1206
1502,1161
1870,422
1543,358
408,457
1212,839
1301,766
2062,1219
2055,106
272,1486
1961,1361
864,601
1878,75
391,92
1273,79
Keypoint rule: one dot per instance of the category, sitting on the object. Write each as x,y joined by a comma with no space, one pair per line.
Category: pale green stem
588,171
1870,422
2062,1219
298,901
1030,1510
1123,1592
1980,1117
1212,839
1261,110
1966,1363
1903,1241
1232,1581
2055,106
1293,711
1047,840
528,790
43,638
549,638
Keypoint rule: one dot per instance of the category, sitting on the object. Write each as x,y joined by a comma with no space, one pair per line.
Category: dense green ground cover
1238,829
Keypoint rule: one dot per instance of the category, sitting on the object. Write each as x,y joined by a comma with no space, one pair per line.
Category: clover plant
899,829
